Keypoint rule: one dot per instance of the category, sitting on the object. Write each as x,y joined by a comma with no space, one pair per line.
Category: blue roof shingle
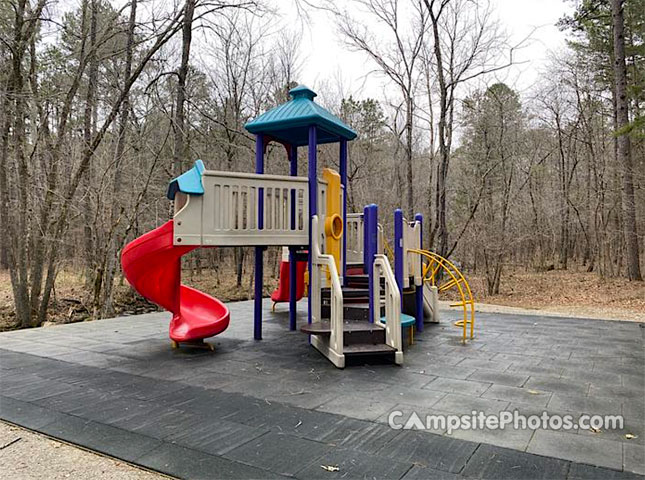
290,122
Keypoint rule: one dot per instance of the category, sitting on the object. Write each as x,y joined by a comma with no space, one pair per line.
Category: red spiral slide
152,265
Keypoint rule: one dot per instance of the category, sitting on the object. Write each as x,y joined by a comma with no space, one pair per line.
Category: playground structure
357,303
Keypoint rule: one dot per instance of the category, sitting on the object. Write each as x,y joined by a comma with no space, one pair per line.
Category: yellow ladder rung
457,278
450,284
460,323
462,304
427,267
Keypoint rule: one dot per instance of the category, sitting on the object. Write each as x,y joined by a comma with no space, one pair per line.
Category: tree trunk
239,265
563,253
408,152
179,120
88,115
430,227
115,214
444,154
14,228
624,145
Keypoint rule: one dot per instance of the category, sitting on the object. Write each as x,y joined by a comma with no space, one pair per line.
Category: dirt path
28,455
565,294
591,312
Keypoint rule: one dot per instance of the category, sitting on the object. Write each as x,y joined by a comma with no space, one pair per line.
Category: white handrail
383,269
380,241
321,264
322,197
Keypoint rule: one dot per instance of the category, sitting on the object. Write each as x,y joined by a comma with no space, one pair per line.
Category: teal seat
406,320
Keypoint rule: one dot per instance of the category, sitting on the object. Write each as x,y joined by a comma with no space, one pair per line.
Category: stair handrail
380,243
323,264
383,269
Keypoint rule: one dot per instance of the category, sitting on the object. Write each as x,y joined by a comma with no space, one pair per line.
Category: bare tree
237,48
14,228
179,126
493,153
89,15
397,57
30,260
466,43
104,274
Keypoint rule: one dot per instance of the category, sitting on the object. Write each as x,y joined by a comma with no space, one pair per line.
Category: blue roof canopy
289,123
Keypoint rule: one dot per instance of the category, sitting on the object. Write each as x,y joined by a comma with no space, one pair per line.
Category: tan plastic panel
227,213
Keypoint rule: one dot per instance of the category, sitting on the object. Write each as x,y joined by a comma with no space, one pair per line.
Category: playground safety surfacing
277,408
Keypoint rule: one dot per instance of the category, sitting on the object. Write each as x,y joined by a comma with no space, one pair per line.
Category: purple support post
313,198
293,262
418,293
398,249
370,219
259,250
343,181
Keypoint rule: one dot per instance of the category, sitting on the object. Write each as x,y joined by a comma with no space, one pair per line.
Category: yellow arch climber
435,263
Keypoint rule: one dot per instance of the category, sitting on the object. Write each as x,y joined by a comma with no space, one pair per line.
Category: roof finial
301,91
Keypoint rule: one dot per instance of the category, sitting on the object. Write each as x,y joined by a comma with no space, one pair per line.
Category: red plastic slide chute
281,294
152,265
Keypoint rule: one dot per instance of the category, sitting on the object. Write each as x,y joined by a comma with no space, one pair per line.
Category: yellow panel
334,218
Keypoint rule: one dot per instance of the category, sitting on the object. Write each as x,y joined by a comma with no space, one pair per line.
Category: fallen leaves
566,291
330,468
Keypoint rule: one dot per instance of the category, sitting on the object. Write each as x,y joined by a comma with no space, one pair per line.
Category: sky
325,59
331,68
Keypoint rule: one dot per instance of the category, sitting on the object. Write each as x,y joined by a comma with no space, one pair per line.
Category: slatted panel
355,238
227,213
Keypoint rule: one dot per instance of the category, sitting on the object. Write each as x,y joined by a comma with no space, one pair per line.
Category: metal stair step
350,295
348,292
351,311
324,327
354,332
368,349
360,281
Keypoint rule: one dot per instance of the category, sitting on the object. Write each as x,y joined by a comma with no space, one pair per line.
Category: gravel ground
28,455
